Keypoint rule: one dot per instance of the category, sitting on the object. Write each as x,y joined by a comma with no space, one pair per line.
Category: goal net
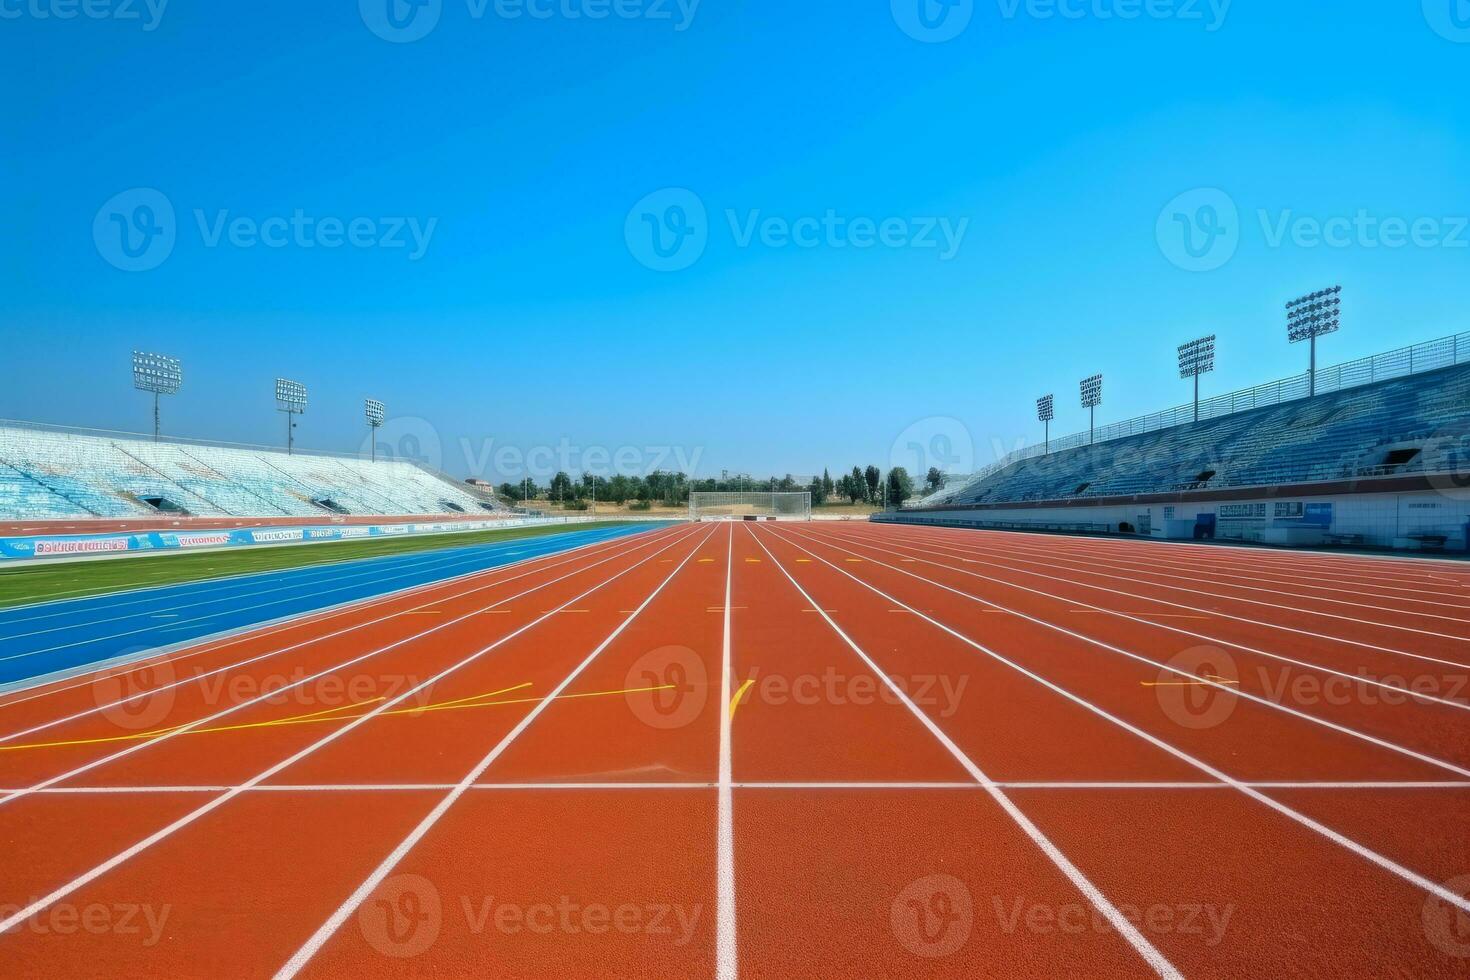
751,506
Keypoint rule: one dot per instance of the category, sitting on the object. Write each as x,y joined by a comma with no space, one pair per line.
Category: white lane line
1088,566
197,677
621,787
45,686
1081,882
1051,576
1136,563
274,692
1145,619
1387,864
334,922
726,958
1379,564
280,582
85,878
184,622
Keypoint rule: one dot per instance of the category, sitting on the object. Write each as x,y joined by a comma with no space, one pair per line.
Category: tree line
863,485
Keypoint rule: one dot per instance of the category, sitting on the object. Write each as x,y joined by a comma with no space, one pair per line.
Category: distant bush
641,505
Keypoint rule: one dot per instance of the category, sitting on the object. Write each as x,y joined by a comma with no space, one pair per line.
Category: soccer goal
752,506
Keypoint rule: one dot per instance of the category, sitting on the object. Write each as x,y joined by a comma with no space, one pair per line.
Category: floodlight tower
1091,398
1046,410
158,374
1312,316
1196,358
291,399
376,414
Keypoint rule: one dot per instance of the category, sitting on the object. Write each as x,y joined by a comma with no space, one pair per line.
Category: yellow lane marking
735,701
706,561
331,714
1192,682
752,561
494,612
1152,615
803,561
853,560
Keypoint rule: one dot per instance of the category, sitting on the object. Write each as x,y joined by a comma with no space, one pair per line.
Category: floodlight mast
376,413
1045,412
158,374
1091,398
1196,358
1312,316
290,399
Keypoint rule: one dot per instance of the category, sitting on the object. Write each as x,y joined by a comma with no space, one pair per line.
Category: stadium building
1374,452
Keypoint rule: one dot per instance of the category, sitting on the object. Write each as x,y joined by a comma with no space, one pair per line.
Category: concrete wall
1386,520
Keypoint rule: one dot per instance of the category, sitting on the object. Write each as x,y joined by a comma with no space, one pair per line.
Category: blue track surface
63,636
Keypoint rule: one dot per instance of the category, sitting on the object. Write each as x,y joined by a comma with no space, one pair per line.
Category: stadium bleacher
56,475
1403,426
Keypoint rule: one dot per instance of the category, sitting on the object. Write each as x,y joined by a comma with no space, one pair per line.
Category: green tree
900,486
857,489
934,479
828,487
874,479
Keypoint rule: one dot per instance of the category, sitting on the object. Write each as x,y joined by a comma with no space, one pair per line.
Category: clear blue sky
532,316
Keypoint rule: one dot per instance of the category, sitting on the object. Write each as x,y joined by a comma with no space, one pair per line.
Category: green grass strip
74,579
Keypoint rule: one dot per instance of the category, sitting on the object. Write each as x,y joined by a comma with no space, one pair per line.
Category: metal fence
1429,356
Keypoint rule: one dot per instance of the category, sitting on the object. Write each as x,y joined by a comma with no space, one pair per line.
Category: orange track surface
953,754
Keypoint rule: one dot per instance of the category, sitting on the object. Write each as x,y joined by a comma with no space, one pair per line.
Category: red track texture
774,750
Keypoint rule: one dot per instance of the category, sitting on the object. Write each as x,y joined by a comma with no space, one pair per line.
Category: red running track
781,750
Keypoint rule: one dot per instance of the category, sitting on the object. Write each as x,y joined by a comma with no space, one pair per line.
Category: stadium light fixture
1311,316
1046,410
158,374
376,413
1196,358
291,399
1091,398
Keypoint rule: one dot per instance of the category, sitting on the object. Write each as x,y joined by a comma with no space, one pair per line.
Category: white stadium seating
53,475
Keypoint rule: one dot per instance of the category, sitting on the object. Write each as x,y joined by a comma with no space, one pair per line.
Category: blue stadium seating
1408,425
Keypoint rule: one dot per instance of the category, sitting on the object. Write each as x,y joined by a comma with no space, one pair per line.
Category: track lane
1384,709
1318,846
32,877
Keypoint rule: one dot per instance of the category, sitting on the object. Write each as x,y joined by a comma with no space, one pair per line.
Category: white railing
1418,359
